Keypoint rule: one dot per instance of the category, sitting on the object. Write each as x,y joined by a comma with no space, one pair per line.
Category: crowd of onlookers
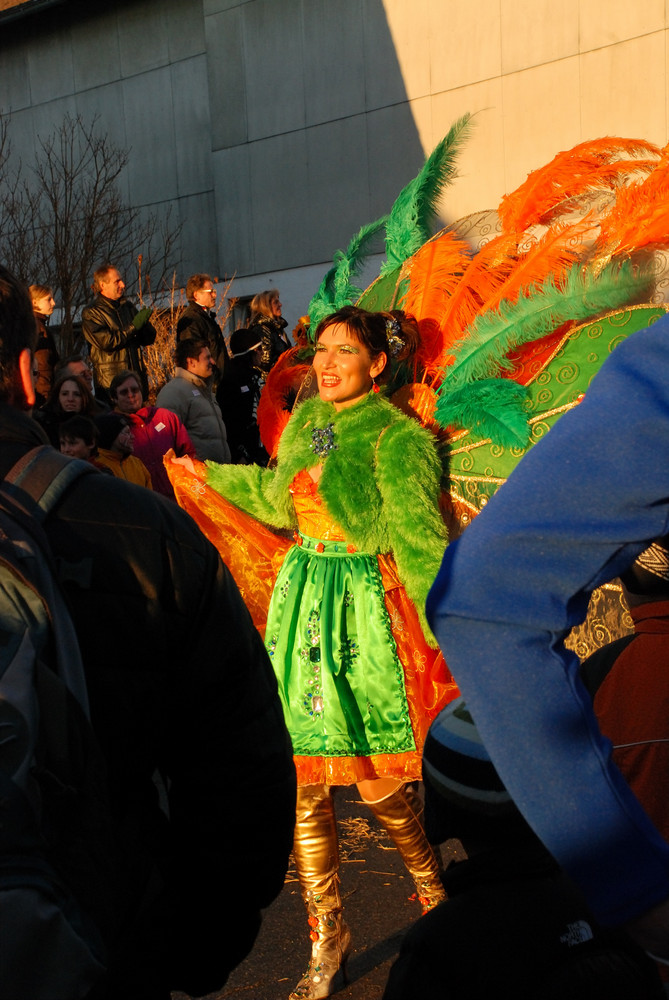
95,405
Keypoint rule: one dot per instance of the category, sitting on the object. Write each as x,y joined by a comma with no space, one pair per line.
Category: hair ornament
394,336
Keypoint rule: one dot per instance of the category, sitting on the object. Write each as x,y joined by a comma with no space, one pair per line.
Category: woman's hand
184,460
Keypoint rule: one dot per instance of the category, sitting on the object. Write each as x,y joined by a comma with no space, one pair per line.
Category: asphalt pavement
376,890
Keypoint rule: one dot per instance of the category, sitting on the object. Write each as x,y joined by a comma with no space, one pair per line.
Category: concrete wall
542,76
142,69
275,128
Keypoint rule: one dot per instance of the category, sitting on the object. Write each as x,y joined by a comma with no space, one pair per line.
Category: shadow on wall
312,133
272,128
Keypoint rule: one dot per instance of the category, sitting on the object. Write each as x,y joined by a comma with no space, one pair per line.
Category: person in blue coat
575,513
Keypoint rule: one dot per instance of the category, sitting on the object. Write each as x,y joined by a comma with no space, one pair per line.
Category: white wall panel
273,67
334,60
96,53
280,209
142,33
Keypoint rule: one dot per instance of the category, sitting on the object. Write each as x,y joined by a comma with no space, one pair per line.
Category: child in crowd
79,439
116,450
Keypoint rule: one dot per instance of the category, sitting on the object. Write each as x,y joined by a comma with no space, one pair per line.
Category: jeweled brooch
323,440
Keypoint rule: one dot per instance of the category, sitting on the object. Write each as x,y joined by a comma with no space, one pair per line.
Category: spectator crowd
207,410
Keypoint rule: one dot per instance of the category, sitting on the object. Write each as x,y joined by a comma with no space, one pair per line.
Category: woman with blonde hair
267,322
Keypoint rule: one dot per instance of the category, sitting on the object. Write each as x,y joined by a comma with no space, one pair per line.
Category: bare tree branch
66,215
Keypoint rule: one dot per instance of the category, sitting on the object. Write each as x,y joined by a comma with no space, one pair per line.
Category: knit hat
244,340
459,776
109,426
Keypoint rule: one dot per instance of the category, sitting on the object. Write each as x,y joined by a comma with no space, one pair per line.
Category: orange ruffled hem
429,687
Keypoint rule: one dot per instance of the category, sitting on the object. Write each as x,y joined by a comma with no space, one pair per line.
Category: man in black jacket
198,321
115,330
179,685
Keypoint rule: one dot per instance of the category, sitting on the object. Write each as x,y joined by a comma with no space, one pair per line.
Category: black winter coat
114,342
272,342
238,398
46,358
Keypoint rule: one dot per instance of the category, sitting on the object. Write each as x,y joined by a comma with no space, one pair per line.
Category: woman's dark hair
53,405
188,348
392,333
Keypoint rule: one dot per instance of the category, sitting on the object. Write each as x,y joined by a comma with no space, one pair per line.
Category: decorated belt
323,547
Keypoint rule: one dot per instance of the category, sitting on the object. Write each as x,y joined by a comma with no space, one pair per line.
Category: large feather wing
594,163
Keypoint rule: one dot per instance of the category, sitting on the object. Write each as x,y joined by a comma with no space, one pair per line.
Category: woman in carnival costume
359,673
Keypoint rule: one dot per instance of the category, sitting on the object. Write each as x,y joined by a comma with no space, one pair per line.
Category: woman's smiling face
344,367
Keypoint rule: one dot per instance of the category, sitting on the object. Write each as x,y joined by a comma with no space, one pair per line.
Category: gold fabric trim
608,618
655,559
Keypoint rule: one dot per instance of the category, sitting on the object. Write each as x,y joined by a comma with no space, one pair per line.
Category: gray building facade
272,129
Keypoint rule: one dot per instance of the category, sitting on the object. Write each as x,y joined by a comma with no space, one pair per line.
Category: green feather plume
415,208
321,303
493,408
482,353
407,227
336,288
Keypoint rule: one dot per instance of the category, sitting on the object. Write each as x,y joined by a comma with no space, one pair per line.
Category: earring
375,387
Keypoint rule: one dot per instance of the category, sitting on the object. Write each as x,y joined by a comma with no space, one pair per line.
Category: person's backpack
53,814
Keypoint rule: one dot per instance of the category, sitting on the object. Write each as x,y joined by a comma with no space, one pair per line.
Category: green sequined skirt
330,641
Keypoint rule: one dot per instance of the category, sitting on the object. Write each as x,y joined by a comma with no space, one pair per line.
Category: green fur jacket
380,483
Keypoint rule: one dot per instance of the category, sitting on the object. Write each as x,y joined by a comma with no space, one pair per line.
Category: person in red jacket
154,429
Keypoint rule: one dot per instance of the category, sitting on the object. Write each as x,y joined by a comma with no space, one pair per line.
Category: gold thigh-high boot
316,853
400,814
